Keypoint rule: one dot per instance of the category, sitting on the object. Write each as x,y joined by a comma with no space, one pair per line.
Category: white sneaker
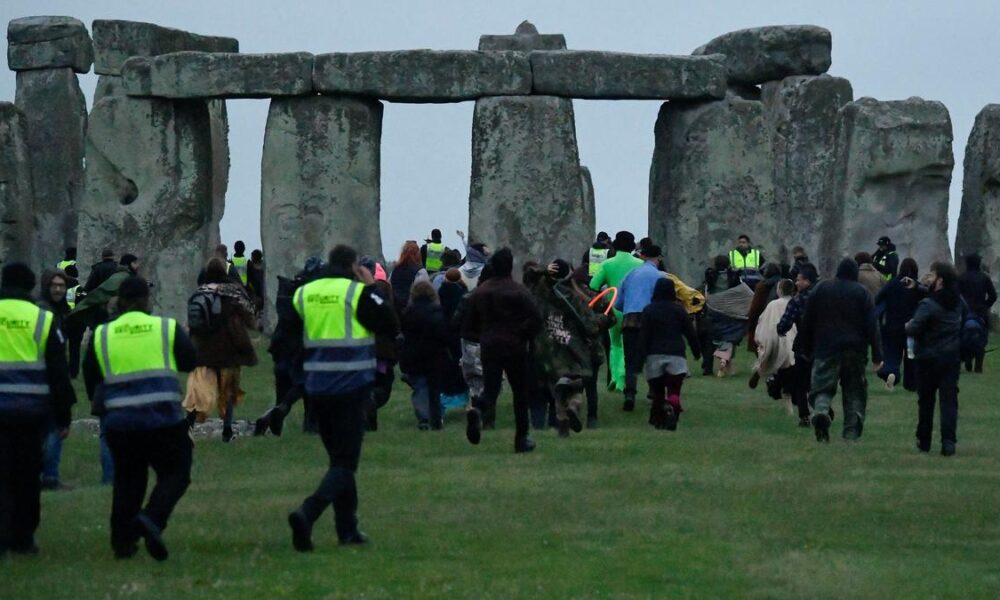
890,382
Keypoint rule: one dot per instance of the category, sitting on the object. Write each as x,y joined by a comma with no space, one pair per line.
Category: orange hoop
614,296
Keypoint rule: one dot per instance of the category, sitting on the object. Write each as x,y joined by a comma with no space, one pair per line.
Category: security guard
598,253
35,390
340,314
886,260
131,370
432,252
240,261
744,263
69,260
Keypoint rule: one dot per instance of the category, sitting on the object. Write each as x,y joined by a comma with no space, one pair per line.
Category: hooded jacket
840,316
977,288
564,346
936,327
665,324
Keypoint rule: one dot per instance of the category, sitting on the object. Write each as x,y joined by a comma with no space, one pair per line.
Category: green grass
738,502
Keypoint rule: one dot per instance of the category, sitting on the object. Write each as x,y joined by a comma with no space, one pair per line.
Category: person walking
936,328
130,370
385,348
635,294
502,316
256,282
240,262
980,294
53,299
801,372
839,326
476,257
664,326
600,251
223,344
898,301
101,271
886,260
611,274
868,276
432,252
407,269
35,391
339,315
774,352
425,354
765,292
69,259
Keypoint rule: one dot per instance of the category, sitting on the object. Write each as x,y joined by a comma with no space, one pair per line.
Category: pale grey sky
889,50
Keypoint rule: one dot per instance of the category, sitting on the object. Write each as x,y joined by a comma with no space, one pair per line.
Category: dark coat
979,292
230,345
401,279
666,324
99,273
936,327
425,339
898,304
564,345
840,316
502,316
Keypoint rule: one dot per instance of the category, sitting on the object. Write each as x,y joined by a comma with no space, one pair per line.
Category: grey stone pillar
319,180
149,186
16,196
589,216
710,181
47,52
526,191
894,164
801,113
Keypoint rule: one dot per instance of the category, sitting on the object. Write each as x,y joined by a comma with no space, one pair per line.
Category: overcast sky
937,50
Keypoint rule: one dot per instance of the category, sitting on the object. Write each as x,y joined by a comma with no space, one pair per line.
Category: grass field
739,502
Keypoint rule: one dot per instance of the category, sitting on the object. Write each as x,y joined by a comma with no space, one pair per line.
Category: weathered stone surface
979,220
219,119
710,181
48,43
319,180
219,75
801,113
56,115
423,75
618,75
117,41
525,39
150,192
16,195
526,188
761,54
894,164
589,215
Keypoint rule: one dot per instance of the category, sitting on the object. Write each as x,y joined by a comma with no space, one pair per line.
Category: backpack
204,311
973,336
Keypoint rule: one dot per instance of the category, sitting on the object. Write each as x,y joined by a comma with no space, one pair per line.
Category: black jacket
425,339
99,273
61,394
898,303
840,316
891,266
936,327
401,279
979,292
502,316
665,325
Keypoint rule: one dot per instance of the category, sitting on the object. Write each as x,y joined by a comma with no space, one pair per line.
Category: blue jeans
52,455
107,463
426,399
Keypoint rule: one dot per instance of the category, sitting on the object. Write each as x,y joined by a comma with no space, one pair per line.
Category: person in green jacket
611,274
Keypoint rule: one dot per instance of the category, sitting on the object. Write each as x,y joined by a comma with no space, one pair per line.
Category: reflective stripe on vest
240,262
750,261
434,253
24,333
881,261
340,351
136,356
71,296
595,258
65,264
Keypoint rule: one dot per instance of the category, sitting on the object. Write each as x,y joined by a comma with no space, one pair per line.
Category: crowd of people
455,324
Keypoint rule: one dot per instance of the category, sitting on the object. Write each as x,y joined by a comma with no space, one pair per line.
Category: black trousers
169,451
341,419
633,360
380,394
517,370
800,377
937,381
20,486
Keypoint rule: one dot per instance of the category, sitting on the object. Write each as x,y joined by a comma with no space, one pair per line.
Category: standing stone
589,216
56,115
894,164
801,113
526,191
219,119
16,196
979,221
149,191
48,43
710,181
319,180
760,54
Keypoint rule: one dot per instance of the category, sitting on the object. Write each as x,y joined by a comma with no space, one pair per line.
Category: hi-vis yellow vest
136,355
24,384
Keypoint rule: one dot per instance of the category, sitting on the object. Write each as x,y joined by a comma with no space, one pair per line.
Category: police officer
885,260
35,390
599,252
69,259
432,252
339,314
240,261
130,370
